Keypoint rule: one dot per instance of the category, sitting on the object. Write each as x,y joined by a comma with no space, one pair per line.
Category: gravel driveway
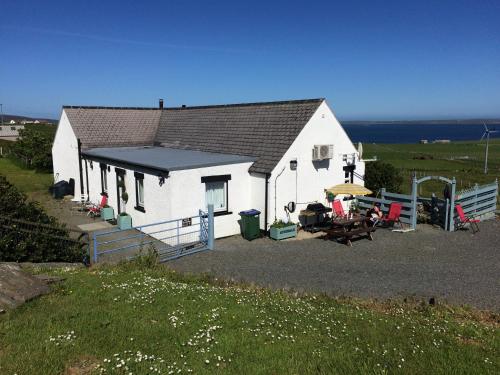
459,267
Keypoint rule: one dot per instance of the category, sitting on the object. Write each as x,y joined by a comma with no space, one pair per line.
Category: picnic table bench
349,228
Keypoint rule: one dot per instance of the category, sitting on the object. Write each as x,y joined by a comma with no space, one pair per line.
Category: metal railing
37,240
170,239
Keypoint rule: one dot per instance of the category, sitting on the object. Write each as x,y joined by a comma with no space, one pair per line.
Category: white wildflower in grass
64,338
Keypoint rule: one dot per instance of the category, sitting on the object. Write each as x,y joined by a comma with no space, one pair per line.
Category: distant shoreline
424,122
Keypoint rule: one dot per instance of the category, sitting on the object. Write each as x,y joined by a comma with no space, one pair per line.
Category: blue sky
370,59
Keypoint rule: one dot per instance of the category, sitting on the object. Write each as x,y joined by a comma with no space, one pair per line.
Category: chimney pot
161,104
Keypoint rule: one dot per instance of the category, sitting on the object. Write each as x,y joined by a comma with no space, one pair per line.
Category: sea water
414,132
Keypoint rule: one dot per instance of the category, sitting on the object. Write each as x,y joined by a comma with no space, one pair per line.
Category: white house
174,161
10,132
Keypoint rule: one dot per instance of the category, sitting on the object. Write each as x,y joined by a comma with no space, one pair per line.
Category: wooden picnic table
347,228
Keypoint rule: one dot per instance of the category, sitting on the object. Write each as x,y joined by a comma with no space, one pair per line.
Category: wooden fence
479,200
408,211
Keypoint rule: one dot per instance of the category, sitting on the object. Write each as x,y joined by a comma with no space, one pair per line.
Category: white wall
181,196
188,194
307,183
257,195
65,153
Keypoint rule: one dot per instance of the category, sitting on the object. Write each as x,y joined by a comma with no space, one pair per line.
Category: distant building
12,122
10,132
424,141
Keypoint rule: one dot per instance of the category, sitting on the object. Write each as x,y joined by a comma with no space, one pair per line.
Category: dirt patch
81,366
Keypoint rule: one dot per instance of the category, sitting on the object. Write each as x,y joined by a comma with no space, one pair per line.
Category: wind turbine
486,134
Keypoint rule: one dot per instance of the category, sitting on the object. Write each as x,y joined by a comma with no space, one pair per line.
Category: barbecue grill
314,216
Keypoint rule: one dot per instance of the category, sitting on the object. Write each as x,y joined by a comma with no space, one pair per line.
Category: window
216,193
12,128
104,178
139,191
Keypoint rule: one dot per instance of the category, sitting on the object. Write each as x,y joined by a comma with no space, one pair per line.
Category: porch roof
163,158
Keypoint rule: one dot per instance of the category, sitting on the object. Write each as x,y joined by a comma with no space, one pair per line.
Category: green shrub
282,224
28,234
379,175
34,148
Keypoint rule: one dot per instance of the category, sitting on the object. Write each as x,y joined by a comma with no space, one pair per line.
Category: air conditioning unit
322,152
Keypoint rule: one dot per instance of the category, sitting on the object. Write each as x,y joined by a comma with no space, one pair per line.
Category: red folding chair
95,210
338,210
393,215
463,220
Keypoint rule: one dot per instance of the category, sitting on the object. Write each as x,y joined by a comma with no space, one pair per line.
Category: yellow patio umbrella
351,189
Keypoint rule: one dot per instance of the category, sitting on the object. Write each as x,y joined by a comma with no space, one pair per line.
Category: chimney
161,104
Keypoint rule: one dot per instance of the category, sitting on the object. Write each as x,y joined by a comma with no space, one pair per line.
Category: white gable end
65,153
306,184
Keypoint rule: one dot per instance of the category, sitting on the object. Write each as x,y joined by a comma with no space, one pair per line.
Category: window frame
139,179
104,178
217,179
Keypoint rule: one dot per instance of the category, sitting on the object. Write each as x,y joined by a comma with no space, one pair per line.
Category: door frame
120,174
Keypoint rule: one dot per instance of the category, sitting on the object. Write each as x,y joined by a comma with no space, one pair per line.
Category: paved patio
459,267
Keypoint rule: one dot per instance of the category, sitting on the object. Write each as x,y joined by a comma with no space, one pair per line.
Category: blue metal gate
170,239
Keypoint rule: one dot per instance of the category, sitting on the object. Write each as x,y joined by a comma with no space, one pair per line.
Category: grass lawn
26,180
462,160
131,320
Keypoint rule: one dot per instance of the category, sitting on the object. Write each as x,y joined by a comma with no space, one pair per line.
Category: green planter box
108,213
124,222
285,232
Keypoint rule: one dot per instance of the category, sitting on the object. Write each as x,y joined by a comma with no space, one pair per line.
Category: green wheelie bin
250,224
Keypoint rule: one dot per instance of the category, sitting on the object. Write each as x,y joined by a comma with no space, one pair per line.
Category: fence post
451,218
447,223
178,232
94,240
414,188
210,219
476,188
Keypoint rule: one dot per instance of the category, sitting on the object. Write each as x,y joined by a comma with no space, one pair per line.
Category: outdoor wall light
293,165
91,165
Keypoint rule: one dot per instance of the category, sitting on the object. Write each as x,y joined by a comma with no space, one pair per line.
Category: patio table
347,228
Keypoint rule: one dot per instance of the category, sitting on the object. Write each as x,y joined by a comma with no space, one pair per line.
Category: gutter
80,164
126,165
87,179
268,175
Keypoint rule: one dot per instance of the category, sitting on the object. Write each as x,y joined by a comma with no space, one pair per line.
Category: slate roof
113,126
262,130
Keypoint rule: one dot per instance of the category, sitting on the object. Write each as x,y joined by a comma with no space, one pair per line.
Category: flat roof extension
163,158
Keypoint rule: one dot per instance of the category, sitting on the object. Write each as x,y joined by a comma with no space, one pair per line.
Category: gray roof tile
261,130
100,126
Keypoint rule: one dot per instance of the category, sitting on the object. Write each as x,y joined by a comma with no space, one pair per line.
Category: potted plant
124,219
107,213
281,230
